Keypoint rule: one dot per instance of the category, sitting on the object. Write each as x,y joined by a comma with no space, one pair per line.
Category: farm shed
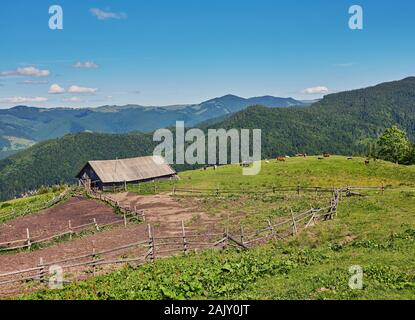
107,174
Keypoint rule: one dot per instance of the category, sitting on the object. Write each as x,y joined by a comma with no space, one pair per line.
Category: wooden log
311,221
294,223
240,244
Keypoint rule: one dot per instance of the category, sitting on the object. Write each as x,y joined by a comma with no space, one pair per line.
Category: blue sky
164,52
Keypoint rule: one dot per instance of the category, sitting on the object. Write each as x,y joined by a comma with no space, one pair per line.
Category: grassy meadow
374,231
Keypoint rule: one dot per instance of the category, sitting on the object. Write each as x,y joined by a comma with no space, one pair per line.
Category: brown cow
282,159
367,161
326,155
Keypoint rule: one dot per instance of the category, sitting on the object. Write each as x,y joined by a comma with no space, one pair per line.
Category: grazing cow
320,158
326,155
281,159
350,158
367,161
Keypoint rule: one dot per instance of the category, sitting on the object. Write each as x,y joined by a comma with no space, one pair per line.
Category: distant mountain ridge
341,123
28,125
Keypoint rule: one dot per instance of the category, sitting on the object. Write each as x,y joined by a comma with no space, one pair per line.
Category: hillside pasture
373,229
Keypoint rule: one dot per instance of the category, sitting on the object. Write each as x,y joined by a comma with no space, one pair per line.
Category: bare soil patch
164,213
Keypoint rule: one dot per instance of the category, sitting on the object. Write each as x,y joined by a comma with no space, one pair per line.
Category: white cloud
78,89
27,71
33,82
105,15
86,65
23,100
56,89
345,65
316,90
72,99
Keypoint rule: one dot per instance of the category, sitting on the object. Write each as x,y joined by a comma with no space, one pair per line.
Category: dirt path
168,212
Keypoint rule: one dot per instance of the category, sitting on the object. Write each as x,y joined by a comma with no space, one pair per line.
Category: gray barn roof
134,169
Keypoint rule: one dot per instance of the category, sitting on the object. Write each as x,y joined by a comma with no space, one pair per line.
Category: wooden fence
183,241
128,212
175,190
71,231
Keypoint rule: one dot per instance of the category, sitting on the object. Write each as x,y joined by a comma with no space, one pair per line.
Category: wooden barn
108,174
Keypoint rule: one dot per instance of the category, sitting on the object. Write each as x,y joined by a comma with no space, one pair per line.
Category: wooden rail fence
29,241
181,242
129,212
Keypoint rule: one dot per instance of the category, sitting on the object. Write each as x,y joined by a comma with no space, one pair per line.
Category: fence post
41,272
242,235
312,219
29,243
70,229
96,224
125,220
383,188
174,190
93,257
272,229
294,223
225,242
151,243
184,238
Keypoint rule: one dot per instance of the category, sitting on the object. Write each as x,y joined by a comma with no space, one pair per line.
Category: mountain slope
38,124
341,123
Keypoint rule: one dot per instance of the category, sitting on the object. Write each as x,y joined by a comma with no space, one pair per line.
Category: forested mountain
22,126
341,123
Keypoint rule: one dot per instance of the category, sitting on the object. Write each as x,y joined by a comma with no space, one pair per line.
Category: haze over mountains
341,123
23,126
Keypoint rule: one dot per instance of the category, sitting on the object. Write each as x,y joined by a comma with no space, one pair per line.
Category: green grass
24,206
375,231
336,171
